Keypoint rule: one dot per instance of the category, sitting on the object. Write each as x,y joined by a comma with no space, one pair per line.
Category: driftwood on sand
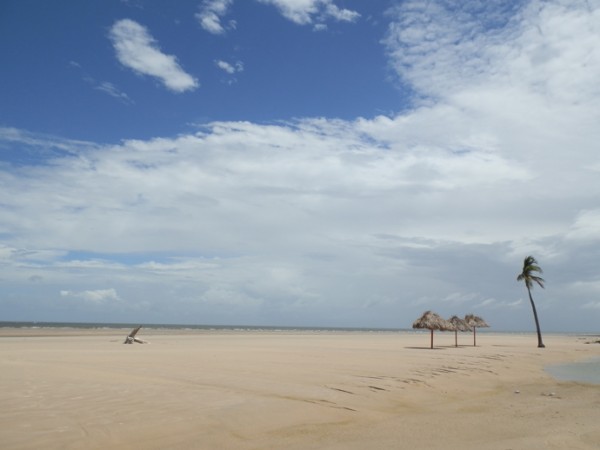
130,339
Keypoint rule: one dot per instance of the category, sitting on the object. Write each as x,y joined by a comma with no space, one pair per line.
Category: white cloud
228,67
305,12
586,226
102,86
459,297
98,296
343,15
113,91
364,222
137,50
548,49
210,14
10,136
302,12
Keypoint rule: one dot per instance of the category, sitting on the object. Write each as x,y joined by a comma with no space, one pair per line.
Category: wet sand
73,389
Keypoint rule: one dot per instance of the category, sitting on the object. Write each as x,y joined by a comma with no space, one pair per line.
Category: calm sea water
169,326
586,371
90,325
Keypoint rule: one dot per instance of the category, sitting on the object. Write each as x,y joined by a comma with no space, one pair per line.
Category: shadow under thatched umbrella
459,325
475,322
432,321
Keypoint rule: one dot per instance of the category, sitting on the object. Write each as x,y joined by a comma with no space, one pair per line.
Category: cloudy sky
299,162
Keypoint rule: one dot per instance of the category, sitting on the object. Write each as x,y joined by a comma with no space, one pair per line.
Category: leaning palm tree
530,267
475,322
431,321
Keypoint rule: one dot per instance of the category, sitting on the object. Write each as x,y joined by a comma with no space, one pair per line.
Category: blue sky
299,162
64,55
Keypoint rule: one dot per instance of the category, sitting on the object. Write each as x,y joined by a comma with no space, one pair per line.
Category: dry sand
75,389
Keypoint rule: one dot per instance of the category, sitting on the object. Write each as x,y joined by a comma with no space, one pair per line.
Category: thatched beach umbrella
459,325
431,321
475,322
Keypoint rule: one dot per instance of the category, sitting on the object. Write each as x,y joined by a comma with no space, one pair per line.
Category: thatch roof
475,321
459,324
432,321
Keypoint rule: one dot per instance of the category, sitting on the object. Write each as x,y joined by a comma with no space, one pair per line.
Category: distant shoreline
70,328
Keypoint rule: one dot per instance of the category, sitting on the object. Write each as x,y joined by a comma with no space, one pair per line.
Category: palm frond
530,266
535,268
530,260
538,280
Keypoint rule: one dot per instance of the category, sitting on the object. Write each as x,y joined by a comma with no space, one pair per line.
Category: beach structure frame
475,322
432,321
459,325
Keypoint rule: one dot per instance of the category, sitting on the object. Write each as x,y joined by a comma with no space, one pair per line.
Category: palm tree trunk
432,338
456,338
537,322
474,336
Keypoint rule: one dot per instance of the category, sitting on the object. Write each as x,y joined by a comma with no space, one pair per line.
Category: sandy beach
74,389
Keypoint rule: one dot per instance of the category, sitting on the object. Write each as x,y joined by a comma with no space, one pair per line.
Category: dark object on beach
432,321
459,325
475,322
130,339
530,265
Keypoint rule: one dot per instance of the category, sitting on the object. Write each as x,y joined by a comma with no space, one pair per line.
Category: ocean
162,326
204,327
